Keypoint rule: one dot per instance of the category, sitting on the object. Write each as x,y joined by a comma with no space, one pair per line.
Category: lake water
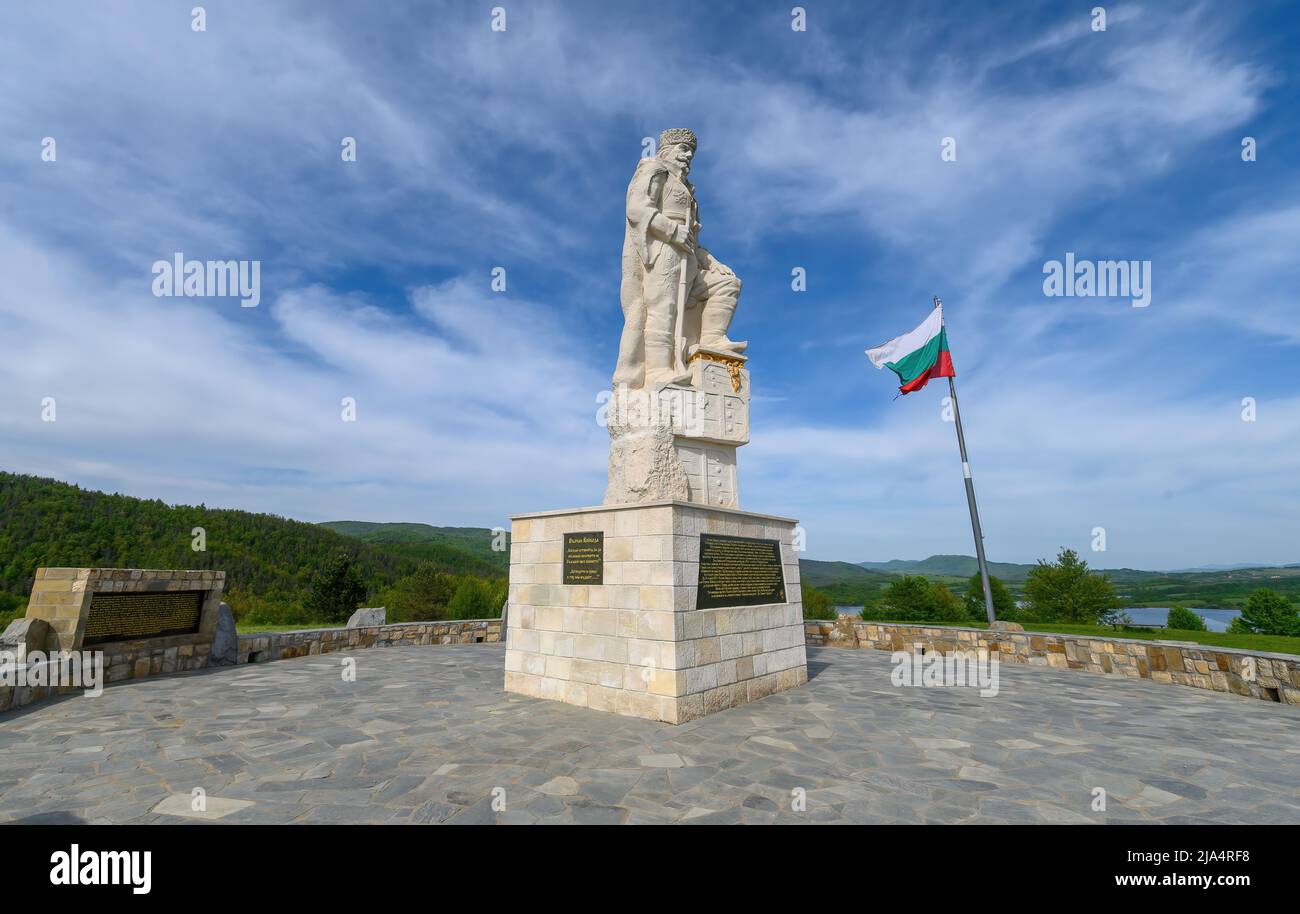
1216,620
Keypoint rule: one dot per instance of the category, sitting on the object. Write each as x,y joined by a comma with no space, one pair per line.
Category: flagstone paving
427,735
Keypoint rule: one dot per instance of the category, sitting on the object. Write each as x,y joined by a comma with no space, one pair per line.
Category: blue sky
819,149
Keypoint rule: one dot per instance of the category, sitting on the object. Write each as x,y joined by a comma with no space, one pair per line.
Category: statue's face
680,155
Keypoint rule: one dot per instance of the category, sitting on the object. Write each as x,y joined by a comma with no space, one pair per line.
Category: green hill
845,583
951,566
268,560
1225,588
426,542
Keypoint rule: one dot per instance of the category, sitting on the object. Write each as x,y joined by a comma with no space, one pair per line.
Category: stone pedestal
678,441
719,404
634,639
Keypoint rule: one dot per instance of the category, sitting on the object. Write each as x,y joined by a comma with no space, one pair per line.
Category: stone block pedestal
636,643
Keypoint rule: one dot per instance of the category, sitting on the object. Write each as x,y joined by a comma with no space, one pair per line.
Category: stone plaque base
637,644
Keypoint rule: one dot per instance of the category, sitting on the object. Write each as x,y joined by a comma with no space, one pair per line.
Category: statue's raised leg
722,293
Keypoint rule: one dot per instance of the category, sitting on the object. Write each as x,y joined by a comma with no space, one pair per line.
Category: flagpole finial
938,302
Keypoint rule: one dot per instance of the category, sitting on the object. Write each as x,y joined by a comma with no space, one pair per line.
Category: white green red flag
918,356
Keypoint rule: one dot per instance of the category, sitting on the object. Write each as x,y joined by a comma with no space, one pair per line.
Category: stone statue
667,274
680,404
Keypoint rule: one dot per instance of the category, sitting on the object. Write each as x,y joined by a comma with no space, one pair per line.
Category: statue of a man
662,231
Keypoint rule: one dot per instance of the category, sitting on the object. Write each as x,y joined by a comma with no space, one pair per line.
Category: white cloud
479,148
1167,479
170,398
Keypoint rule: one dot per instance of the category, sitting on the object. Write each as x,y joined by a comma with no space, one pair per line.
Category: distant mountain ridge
966,565
272,559
417,539
1238,566
852,584
957,566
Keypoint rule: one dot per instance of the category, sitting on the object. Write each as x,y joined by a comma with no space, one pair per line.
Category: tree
1184,620
1004,605
269,560
817,604
476,598
1066,591
946,607
422,596
907,599
336,590
914,598
12,607
1267,613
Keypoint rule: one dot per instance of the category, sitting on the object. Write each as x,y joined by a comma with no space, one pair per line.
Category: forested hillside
426,542
950,566
267,559
844,582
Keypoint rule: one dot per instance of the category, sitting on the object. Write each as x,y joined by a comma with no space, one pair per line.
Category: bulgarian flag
918,356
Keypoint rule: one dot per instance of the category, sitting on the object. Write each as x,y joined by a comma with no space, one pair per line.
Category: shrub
817,604
908,599
913,598
1184,620
1004,605
947,607
422,596
12,607
477,598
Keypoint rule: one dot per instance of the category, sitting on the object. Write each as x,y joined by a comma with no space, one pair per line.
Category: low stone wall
1220,669
136,659
259,648
151,656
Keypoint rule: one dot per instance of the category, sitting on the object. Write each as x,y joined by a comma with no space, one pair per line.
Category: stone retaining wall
259,648
1276,676
136,659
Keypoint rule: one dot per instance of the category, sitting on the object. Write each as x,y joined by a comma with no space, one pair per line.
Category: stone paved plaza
425,734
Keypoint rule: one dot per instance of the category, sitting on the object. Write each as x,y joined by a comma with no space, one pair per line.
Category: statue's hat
676,136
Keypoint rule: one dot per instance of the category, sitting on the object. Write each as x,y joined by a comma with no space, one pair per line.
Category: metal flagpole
970,496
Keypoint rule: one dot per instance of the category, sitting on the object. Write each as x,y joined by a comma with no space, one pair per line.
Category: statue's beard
683,168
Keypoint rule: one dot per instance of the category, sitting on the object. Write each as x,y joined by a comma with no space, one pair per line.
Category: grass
245,628
1275,644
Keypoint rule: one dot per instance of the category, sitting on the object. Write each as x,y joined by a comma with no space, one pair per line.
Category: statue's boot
629,368
713,327
659,367
626,375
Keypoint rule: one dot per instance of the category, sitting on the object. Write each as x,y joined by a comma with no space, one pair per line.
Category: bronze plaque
739,571
584,558
128,616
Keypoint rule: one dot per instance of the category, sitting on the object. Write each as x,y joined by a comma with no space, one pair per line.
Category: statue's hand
682,240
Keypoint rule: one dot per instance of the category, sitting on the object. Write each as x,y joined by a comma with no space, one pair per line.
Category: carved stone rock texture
643,466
